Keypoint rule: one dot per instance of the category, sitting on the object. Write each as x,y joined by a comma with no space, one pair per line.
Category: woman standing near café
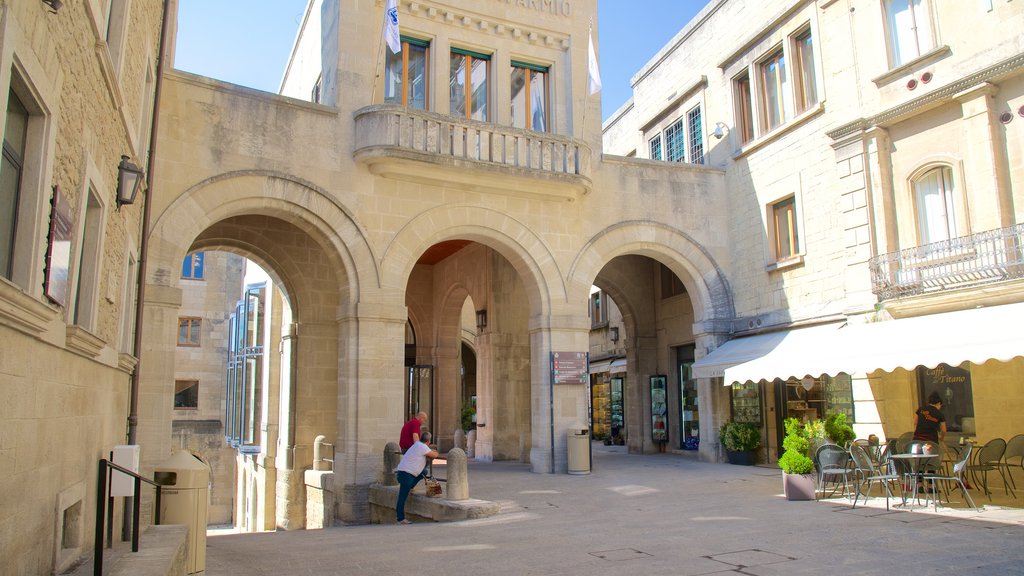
929,421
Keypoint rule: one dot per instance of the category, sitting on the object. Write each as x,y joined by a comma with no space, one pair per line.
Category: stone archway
319,255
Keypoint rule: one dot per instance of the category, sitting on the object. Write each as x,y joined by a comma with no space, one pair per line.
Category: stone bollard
460,438
458,475
392,456
471,444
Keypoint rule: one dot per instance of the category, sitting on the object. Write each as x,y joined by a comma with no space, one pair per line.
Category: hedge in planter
798,481
740,440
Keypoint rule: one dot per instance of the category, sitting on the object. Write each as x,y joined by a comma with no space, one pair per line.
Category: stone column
556,409
370,396
985,160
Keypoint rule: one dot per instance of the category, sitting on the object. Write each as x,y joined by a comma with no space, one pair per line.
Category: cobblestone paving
646,515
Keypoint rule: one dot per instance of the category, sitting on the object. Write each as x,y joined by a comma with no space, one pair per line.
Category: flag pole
380,51
586,101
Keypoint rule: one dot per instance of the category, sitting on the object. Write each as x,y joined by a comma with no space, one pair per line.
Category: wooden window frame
529,70
190,321
786,206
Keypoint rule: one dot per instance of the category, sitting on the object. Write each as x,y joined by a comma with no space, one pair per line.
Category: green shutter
416,42
477,55
534,67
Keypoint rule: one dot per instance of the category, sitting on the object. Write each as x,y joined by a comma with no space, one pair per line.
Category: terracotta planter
748,458
799,486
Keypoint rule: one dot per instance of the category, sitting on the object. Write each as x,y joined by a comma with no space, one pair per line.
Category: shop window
818,398
15,137
744,107
695,136
804,75
773,101
406,77
469,81
655,147
88,276
186,394
784,231
189,330
192,266
529,96
953,384
909,28
937,217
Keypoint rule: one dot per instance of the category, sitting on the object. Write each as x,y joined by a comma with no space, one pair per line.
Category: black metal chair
1014,451
866,472
957,475
989,457
833,465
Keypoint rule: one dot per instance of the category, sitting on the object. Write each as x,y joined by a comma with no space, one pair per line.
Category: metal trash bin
184,499
578,446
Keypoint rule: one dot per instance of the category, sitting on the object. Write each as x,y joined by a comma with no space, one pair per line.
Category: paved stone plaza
662,514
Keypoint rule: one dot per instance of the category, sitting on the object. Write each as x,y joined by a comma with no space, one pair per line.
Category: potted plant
741,441
466,416
798,480
838,430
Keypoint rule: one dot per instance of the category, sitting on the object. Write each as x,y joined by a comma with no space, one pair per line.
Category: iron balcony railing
964,262
422,132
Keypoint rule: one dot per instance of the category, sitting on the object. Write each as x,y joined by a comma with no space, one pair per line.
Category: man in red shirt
411,431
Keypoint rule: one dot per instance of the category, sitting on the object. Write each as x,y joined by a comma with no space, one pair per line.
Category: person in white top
410,471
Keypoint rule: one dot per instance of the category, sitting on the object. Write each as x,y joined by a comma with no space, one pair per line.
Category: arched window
937,217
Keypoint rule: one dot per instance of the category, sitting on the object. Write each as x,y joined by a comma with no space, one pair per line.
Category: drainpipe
140,294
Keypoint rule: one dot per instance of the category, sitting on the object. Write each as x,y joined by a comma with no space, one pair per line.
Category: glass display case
746,403
689,419
600,413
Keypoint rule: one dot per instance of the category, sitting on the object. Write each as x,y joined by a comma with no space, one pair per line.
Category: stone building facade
872,158
78,87
773,156
380,217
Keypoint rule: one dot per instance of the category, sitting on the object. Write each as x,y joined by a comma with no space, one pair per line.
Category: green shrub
740,436
467,416
795,459
838,430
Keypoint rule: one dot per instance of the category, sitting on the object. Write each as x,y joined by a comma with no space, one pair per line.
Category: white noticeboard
125,456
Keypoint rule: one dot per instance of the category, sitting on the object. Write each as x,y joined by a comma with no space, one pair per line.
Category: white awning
773,353
618,365
977,335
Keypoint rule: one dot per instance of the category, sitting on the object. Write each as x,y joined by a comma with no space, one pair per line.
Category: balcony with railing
965,262
426,147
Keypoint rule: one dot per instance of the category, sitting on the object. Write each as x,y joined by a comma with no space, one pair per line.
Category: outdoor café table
912,469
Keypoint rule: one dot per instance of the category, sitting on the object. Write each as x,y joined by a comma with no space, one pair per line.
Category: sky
247,42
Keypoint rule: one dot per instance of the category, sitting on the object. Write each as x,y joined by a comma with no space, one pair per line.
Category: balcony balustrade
397,141
964,262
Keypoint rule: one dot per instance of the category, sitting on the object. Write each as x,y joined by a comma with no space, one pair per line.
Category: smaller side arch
690,261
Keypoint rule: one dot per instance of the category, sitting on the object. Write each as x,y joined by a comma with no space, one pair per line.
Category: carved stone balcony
426,147
969,261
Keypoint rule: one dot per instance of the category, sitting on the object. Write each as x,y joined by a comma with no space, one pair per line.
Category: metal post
136,505
101,501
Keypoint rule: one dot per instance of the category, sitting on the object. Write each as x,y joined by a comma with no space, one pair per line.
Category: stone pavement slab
650,515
